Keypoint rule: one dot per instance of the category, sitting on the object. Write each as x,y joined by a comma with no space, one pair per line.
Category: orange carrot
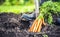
39,27
32,27
43,21
35,28
38,24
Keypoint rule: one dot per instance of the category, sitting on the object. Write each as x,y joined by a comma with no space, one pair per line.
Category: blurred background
20,6
16,6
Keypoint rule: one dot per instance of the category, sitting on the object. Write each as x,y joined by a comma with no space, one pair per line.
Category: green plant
16,6
48,9
45,35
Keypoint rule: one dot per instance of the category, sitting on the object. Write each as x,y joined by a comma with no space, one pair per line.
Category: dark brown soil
11,25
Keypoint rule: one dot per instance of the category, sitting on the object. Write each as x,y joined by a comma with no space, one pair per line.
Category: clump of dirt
11,25
8,20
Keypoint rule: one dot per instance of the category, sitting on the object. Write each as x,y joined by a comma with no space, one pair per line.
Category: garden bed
10,25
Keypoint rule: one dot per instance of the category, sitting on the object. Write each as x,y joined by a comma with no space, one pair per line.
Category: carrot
35,28
39,27
38,24
32,27
43,21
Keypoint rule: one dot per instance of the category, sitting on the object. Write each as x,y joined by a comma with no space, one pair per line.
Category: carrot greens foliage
47,9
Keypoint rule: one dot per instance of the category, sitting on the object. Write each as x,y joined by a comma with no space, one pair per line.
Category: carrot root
37,25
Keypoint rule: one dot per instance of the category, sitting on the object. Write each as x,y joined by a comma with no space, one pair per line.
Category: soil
11,25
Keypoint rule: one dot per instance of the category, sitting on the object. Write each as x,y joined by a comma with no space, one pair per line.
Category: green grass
17,9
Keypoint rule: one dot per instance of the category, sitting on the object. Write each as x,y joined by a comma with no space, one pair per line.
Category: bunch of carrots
37,24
